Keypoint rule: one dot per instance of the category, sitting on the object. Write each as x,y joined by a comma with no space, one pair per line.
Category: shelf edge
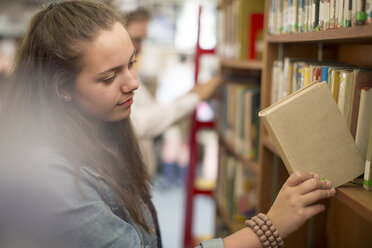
352,33
347,194
242,64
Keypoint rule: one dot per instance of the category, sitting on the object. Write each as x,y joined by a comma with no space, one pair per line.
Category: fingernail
316,176
333,191
328,183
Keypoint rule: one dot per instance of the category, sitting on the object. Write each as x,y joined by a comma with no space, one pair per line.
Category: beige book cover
311,135
362,78
364,120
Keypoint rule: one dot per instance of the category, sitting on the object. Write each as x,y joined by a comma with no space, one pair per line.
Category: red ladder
191,190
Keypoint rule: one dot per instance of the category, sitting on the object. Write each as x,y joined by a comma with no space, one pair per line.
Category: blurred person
151,118
7,50
71,174
175,81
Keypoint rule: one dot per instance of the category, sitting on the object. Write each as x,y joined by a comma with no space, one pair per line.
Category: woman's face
104,89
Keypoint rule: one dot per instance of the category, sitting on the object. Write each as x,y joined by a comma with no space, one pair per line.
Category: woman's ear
67,98
64,94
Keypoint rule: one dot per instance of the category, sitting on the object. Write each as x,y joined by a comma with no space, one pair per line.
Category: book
364,120
345,93
255,40
362,78
311,135
367,182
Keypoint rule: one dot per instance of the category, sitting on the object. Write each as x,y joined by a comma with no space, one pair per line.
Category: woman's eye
132,63
109,79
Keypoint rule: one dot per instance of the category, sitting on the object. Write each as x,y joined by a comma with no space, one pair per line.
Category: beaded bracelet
265,231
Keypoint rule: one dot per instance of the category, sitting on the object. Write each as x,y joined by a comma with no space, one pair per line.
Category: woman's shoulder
43,169
47,160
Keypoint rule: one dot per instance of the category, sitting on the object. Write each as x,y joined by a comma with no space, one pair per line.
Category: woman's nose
129,83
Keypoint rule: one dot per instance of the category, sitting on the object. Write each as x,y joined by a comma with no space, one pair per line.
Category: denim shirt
83,214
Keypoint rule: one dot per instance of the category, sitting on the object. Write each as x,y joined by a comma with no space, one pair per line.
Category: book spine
361,15
301,16
340,13
348,13
315,14
364,120
369,11
367,183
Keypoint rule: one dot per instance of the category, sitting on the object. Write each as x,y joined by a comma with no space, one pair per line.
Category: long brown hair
48,61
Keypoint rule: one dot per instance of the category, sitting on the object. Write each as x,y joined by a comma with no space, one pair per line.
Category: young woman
71,174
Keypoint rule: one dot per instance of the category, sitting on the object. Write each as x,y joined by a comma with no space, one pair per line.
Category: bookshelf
351,208
241,68
250,164
347,221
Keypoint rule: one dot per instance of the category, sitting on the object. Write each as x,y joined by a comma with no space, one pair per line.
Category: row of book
237,118
236,191
240,29
350,87
290,75
292,16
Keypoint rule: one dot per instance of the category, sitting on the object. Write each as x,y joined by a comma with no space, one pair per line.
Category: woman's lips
127,103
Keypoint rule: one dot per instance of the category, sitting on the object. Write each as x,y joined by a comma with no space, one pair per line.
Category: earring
67,98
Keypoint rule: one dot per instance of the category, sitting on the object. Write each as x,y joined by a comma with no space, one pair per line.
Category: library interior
252,120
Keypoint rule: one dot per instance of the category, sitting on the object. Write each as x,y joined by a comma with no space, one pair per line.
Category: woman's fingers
317,195
313,184
299,177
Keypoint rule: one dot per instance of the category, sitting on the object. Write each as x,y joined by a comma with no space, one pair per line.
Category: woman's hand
295,203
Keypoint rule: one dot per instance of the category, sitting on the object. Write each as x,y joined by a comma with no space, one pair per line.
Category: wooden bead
265,230
266,244
263,238
260,223
263,217
278,239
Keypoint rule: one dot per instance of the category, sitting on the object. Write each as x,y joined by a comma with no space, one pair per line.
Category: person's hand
206,90
295,203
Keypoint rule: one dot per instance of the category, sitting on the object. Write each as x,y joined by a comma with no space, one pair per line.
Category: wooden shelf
242,64
266,141
358,34
233,226
357,198
252,165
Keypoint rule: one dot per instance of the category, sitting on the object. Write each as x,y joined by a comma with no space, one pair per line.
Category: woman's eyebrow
110,70
117,67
